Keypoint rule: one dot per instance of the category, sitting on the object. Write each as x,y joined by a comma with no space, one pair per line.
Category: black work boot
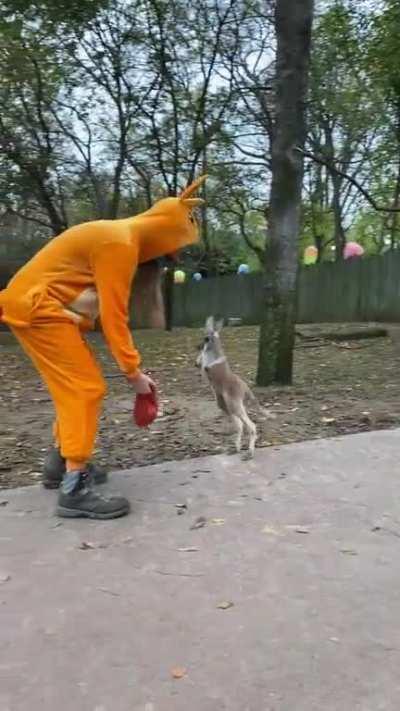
77,499
54,470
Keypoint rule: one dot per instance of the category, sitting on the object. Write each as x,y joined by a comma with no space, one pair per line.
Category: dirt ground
338,389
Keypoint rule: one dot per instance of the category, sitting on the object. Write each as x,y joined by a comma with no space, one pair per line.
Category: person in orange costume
86,272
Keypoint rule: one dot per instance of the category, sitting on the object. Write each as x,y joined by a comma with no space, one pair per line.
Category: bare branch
334,170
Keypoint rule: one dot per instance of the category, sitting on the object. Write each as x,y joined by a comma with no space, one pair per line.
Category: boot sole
80,513
51,484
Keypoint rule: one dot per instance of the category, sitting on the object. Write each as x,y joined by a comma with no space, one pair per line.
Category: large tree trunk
293,21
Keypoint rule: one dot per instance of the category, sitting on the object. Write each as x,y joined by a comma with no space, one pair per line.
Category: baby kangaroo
230,390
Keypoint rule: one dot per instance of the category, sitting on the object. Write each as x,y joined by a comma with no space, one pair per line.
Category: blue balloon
243,269
197,276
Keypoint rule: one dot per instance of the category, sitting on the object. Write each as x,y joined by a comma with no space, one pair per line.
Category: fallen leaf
217,521
85,546
190,549
271,530
109,592
200,522
178,672
4,578
3,503
348,551
328,420
225,605
299,529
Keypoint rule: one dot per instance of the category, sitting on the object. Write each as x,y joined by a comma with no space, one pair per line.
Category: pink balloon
352,249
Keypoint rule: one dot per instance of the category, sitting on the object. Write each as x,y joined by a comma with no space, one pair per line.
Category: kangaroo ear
219,325
192,187
210,324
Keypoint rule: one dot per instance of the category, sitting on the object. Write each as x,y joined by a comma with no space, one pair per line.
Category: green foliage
60,12
384,50
109,104
354,123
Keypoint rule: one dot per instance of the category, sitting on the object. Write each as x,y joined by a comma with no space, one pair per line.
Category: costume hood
168,225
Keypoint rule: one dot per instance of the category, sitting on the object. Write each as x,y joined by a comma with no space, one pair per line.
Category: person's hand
141,383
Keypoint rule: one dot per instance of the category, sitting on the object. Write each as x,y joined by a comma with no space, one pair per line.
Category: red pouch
145,409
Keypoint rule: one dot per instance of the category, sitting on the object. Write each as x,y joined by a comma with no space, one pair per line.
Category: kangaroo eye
207,339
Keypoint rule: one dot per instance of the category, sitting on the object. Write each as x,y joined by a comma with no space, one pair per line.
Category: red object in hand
146,408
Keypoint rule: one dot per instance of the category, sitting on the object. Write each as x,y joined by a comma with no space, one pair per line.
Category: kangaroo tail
255,401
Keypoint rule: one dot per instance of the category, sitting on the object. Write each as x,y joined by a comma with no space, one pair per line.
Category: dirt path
338,389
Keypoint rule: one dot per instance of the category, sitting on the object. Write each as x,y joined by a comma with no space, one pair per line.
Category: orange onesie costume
86,272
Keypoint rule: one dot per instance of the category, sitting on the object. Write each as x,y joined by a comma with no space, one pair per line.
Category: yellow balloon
179,277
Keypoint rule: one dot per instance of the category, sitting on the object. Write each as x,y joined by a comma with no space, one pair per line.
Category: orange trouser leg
74,380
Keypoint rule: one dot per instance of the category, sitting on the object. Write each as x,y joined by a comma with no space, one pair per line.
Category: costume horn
192,187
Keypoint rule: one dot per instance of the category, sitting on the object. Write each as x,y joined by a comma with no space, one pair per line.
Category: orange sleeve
114,265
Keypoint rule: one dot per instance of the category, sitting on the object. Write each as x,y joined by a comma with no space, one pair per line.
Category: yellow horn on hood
192,202
192,187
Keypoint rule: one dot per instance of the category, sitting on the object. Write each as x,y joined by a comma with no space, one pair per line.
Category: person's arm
114,265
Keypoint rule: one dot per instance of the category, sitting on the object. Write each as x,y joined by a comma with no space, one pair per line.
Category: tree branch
334,170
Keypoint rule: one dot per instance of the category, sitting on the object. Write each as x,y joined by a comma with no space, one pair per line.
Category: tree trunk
317,209
169,298
396,199
293,22
204,209
147,297
57,222
339,235
319,243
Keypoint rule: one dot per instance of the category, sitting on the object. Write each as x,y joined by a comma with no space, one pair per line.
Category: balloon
179,277
310,255
197,276
243,269
353,249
